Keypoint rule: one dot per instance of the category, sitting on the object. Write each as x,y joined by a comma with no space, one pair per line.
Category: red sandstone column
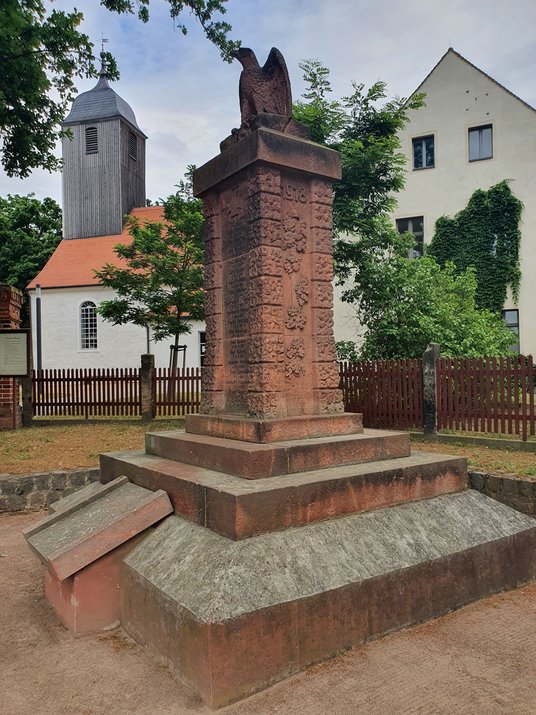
10,307
268,278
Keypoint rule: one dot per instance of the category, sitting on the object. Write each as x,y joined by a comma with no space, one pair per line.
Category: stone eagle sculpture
263,90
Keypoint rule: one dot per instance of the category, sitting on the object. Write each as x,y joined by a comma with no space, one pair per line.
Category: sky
186,98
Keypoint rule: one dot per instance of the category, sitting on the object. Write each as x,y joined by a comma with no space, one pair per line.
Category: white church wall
346,326
117,345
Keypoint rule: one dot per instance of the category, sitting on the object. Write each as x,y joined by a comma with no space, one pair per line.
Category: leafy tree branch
42,53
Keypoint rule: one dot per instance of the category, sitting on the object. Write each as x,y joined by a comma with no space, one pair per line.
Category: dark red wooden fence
108,392
176,395
387,392
494,395
112,392
487,394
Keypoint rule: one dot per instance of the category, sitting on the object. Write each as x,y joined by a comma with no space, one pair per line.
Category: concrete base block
231,617
89,600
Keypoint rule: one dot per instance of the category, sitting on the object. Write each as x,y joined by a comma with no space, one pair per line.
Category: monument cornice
271,147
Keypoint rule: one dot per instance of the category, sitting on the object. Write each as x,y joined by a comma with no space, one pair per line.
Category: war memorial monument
274,532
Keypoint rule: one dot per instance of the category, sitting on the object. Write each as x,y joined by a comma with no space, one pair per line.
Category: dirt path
478,661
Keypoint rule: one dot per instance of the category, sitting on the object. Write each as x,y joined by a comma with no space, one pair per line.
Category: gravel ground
479,660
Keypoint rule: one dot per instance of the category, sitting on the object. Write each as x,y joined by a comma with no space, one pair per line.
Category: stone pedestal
268,278
296,533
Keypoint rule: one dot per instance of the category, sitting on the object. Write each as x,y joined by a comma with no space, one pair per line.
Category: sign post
14,353
14,361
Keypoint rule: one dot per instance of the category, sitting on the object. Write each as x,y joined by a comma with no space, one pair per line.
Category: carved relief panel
269,296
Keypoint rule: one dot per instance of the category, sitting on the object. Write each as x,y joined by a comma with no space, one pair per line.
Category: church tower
104,163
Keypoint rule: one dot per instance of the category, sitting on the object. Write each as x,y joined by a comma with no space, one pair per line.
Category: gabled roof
100,103
461,57
74,261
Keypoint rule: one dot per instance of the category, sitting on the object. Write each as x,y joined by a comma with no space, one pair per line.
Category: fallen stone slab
71,538
82,544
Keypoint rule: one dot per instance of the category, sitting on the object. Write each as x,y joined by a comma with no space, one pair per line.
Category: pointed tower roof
100,103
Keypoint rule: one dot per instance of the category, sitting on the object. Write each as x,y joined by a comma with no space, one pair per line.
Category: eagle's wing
277,82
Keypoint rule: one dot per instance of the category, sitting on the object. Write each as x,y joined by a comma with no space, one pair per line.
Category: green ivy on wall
486,236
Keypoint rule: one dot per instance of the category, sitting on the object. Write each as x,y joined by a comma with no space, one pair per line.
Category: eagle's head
245,56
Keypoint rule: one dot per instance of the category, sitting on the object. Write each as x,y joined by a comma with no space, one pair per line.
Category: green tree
43,51
485,235
30,230
402,304
411,303
162,285
364,131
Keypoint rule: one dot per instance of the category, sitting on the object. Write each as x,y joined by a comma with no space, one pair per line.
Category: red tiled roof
74,261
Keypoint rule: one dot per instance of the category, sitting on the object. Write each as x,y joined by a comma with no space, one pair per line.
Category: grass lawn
487,459
45,448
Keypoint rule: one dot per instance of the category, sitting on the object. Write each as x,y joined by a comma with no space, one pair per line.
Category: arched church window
92,146
88,325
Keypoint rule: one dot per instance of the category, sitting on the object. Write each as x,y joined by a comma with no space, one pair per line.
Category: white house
103,179
472,134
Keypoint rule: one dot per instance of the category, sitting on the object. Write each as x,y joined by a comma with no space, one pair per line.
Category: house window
511,318
423,152
202,346
480,143
92,146
414,225
132,146
88,325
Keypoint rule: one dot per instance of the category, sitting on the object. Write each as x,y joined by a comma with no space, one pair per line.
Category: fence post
146,387
27,407
429,389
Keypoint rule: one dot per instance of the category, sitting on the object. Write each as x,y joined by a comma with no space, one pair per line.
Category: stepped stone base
231,617
258,461
239,508
284,429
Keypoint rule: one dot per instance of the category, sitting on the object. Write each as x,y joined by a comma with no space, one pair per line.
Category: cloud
185,96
